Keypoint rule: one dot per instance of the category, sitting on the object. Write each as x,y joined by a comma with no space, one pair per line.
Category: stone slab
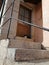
24,43
31,54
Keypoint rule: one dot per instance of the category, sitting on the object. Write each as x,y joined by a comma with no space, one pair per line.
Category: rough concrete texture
7,56
45,13
0,30
3,50
20,42
31,54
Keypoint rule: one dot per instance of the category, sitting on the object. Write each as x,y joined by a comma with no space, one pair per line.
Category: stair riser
21,43
23,55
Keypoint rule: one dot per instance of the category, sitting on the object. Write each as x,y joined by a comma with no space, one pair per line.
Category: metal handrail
32,24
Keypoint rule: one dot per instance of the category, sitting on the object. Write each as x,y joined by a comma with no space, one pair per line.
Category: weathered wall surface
4,30
13,25
38,33
45,12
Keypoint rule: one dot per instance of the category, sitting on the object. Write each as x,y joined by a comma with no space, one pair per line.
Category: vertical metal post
2,9
10,18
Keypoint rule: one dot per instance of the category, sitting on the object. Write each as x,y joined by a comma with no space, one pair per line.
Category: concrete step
8,55
10,59
24,43
31,54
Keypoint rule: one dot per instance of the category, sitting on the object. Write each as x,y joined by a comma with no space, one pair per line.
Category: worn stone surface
9,62
31,54
45,12
1,61
36,62
0,30
7,56
11,54
3,50
42,62
4,43
20,42
13,27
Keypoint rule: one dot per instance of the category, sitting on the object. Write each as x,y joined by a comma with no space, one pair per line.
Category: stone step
31,54
24,43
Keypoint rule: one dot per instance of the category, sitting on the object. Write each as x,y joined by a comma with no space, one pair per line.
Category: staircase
24,43
12,56
27,50
31,54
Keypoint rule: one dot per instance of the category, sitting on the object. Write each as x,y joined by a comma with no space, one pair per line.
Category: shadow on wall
1,3
42,47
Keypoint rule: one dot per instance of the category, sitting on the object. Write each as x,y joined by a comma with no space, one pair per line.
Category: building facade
17,24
